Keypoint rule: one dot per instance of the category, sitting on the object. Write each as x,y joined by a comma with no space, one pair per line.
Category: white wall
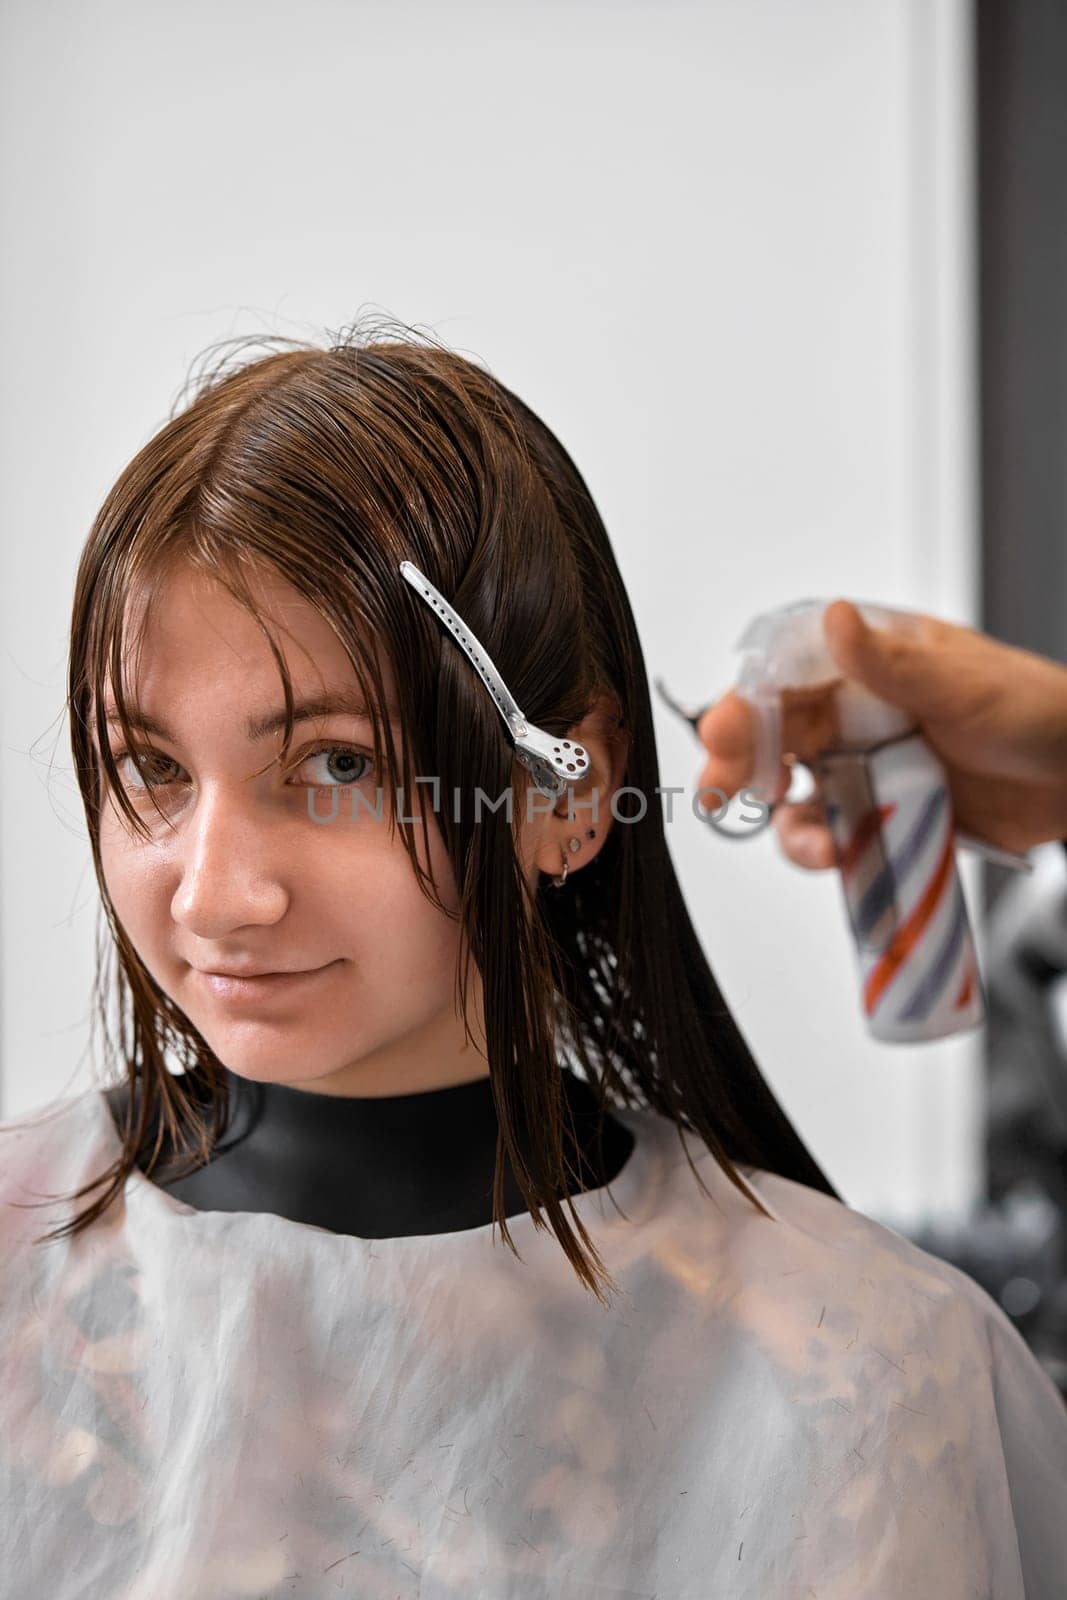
724,250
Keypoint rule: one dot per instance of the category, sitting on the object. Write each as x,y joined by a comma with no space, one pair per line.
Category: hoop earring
572,844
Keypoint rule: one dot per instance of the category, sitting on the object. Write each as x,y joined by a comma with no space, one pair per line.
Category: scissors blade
692,717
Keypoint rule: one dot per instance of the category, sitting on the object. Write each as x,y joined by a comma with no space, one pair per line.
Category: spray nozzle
793,683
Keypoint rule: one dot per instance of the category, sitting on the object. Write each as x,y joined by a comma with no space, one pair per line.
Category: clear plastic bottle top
785,649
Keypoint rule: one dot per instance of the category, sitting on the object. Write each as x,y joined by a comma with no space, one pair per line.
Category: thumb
896,666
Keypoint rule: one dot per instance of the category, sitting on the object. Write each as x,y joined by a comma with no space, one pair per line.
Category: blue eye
342,765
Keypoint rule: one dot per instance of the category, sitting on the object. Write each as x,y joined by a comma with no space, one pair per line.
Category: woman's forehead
314,697
191,624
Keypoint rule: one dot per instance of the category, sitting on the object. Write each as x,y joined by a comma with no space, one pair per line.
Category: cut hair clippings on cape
552,763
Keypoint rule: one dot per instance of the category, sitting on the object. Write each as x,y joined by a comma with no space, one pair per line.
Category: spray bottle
890,818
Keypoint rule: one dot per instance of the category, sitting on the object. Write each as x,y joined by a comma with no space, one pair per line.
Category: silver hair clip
552,763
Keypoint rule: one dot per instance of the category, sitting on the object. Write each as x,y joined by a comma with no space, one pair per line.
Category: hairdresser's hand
995,715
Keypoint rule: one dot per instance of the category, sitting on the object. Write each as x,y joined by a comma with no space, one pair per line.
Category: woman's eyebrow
336,702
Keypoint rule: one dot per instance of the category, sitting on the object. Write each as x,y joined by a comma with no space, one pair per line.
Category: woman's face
238,875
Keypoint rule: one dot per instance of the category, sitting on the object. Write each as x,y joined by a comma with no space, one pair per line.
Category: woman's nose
231,870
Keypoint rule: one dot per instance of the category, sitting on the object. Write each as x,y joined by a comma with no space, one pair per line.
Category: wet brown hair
331,464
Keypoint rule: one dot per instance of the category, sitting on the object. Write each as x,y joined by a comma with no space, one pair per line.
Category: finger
727,731
804,835
809,720
900,663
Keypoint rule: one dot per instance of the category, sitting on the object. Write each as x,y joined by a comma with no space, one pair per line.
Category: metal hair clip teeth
552,763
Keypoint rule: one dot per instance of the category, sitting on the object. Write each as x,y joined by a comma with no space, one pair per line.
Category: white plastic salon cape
207,1405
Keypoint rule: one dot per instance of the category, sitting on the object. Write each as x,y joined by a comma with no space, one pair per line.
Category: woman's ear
583,811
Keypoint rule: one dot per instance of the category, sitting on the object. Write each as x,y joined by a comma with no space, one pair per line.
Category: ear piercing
572,845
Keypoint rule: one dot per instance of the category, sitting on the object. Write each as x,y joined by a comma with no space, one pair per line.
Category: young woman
362,1020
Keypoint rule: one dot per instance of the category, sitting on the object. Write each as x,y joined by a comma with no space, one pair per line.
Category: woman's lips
264,989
